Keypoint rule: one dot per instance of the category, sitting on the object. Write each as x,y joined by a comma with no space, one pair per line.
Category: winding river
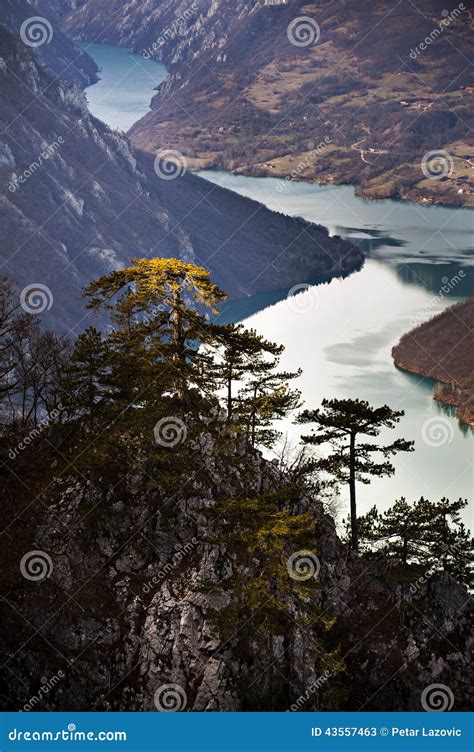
420,259
125,87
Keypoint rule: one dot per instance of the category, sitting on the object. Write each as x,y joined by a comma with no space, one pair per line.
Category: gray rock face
128,611
79,200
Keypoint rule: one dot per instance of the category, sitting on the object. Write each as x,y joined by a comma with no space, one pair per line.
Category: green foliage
156,307
339,424
251,362
425,533
261,534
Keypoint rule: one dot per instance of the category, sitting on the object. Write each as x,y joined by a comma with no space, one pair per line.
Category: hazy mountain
77,202
255,88
35,22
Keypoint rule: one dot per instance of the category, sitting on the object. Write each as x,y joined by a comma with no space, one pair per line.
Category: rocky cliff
113,598
37,25
78,201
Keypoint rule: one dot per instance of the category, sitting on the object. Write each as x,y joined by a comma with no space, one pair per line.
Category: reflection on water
435,277
343,343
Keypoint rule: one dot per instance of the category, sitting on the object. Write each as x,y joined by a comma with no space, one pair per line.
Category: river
126,85
341,333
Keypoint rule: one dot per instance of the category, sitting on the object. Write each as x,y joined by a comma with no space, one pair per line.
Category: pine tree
159,305
85,388
242,352
263,536
339,424
427,534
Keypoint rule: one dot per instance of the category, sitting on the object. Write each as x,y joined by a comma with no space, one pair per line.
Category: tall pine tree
340,423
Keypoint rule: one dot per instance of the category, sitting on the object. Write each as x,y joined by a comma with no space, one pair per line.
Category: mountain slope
37,24
77,201
243,97
442,349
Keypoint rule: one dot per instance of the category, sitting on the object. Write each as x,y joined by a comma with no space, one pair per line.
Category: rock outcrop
125,598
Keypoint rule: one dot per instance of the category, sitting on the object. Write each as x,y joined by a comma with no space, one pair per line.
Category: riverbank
340,333
442,349
419,259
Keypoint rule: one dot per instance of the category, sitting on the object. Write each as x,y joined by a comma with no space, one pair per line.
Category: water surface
341,334
126,85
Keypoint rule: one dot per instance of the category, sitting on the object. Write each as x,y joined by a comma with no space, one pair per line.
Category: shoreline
439,350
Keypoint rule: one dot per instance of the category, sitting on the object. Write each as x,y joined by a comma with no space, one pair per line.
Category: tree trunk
229,395
352,491
178,355
405,550
254,418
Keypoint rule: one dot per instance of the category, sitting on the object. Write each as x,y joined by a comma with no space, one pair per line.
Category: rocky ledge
128,613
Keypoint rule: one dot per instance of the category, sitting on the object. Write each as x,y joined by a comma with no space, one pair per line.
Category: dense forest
147,540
